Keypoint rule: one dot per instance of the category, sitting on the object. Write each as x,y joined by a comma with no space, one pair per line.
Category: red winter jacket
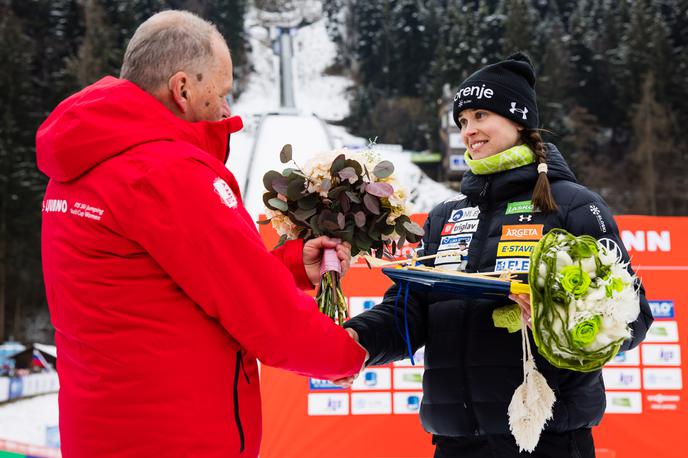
160,289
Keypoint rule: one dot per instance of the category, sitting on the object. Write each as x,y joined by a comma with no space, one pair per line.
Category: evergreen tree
520,26
96,57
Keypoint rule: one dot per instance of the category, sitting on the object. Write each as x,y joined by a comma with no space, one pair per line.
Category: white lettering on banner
54,205
662,398
624,402
464,213
465,226
646,240
225,192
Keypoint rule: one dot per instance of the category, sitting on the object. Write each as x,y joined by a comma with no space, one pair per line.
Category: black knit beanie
506,88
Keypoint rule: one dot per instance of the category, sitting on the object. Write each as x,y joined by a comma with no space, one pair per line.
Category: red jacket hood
111,116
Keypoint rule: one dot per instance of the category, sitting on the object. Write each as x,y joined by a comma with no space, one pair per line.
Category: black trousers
571,444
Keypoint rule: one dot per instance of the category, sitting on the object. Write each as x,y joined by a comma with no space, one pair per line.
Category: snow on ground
26,420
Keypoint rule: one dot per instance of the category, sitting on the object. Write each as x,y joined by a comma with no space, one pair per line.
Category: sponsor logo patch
225,192
465,226
521,264
452,242
662,309
522,232
447,229
464,213
662,379
624,402
523,206
511,249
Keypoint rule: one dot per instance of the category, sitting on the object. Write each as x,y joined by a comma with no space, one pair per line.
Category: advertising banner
378,416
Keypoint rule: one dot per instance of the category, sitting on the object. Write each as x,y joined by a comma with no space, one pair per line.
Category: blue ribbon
405,335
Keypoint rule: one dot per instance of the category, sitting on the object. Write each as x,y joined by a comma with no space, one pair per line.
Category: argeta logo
523,111
225,192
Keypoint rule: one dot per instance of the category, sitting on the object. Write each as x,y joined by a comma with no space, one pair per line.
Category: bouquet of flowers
583,299
351,196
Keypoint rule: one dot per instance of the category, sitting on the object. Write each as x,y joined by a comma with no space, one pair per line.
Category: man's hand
347,381
523,300
312,256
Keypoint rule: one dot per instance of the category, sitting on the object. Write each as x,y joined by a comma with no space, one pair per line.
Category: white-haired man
160,289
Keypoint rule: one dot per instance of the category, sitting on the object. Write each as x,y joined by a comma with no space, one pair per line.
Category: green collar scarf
518,156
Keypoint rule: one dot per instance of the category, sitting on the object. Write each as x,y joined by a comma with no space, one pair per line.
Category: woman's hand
523,300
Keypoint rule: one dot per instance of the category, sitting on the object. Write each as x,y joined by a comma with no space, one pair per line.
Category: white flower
606,256
563,260
589,266
282,223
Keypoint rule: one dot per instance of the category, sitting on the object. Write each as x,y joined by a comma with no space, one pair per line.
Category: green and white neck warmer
516,156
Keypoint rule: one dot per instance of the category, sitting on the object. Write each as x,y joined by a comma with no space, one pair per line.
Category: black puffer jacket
471,367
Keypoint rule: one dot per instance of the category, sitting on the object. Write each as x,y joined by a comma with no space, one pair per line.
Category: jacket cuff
291,255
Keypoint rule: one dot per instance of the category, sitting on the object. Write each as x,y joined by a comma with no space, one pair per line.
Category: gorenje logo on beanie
506,88
480,91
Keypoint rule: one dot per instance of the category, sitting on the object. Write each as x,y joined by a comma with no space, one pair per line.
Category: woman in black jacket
518,189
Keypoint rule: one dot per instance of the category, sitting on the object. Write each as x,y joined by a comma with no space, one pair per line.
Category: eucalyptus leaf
379,189
341,220
281,242
372,204
360,219
353,197
285,154
413,228
269,177
278,204
295,189
338,164
383,169
344,202
303,215
308,202
347,173
279,184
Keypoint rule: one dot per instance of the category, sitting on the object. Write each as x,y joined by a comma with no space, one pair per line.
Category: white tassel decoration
531,404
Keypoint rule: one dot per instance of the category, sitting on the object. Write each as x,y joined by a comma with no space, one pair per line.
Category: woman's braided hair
542,194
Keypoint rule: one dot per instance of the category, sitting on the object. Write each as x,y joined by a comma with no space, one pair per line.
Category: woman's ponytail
542,194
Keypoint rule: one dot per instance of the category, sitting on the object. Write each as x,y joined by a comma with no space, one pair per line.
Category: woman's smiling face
485,133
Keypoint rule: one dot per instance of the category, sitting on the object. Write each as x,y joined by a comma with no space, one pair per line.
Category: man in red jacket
160,289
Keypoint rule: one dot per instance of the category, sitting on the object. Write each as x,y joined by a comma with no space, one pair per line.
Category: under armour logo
527,218
513,110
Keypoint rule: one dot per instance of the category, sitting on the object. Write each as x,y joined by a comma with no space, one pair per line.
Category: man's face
210,87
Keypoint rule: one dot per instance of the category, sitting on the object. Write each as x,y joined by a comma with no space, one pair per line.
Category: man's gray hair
166,43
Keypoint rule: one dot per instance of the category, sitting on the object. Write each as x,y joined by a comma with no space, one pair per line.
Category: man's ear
179,87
